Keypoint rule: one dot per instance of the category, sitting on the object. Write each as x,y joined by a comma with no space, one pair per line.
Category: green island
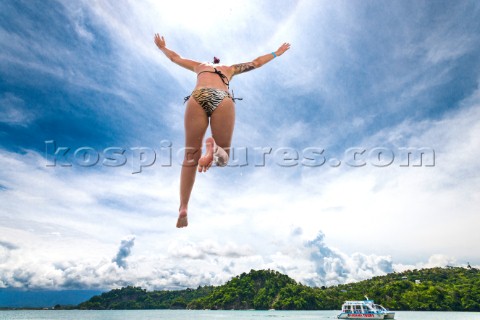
435,289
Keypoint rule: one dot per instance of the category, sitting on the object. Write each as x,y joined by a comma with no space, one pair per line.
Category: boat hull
361,316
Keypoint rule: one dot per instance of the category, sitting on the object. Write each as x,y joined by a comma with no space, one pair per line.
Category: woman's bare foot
206,160
213,153
182,218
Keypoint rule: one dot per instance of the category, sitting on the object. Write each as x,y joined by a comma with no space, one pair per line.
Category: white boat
365,309
388,314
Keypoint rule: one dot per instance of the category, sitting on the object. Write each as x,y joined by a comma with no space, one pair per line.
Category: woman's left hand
284,47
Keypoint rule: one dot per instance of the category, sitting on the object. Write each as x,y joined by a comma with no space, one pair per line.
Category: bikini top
220,74
224,80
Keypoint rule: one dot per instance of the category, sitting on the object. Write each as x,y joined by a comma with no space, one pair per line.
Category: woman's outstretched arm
173,56
260,61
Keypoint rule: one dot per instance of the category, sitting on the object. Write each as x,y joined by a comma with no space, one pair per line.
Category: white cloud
435,261
209,262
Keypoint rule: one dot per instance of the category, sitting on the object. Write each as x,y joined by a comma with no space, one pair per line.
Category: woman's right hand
159,41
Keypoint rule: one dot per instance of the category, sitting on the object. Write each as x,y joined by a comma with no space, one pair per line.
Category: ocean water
207,314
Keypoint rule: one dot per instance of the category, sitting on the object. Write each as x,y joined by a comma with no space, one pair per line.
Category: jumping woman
210,102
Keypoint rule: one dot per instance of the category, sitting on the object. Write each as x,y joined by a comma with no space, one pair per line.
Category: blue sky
366,75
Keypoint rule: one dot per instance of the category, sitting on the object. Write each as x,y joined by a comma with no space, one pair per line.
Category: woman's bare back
207,78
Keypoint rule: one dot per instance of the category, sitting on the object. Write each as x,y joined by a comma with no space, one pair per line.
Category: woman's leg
222,123
196,123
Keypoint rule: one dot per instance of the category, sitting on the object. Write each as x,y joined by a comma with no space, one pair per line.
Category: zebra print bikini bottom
210,98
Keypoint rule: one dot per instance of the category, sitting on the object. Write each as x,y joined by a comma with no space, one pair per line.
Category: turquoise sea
207,314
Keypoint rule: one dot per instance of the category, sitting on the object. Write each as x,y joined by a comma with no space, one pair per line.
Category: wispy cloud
13,110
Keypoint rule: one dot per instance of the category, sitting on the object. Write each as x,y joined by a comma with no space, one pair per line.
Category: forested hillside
425,289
